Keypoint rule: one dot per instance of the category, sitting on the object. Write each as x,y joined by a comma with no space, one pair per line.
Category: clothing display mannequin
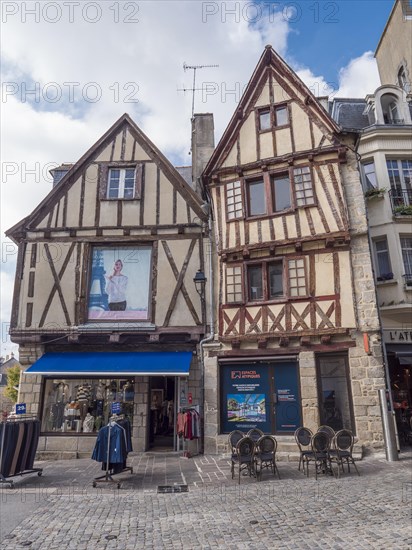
83,398
88,423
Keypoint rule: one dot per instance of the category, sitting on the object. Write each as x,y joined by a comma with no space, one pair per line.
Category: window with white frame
234,292
369,175
383,264
303,186
400,177
234,202
297,277
121,183
406,246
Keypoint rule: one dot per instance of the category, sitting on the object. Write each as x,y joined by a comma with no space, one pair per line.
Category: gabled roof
72,175
269,59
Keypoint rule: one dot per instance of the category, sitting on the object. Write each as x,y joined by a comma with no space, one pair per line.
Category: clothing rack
21,456
107,476
182,439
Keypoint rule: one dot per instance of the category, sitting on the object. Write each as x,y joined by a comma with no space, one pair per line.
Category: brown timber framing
271,61
57,286
273,163
331,239
17,283
180,287
267,353
328,196
46,207
77,289
155,259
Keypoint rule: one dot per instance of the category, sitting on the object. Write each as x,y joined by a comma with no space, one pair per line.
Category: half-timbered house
105,307
298,332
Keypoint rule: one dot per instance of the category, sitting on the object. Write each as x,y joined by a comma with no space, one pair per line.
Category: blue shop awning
165,363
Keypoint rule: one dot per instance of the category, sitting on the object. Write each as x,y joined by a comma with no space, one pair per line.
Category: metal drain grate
172,489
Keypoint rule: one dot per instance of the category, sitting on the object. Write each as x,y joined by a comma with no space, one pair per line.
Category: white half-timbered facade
105,307
297,331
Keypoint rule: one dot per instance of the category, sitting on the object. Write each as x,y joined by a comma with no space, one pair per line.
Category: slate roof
348,113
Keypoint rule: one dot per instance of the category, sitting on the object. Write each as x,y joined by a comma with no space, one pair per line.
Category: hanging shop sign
397,336
116,407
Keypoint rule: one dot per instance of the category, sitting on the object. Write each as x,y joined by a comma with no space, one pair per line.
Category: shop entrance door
286,397
263,395
162,413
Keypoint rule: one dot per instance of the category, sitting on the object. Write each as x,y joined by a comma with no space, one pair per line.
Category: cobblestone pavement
371,511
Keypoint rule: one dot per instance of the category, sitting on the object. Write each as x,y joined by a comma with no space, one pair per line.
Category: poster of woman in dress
120,283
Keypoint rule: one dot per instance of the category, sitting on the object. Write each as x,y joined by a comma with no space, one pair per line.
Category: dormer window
390,109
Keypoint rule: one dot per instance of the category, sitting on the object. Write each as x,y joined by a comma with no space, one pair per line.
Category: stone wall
366,368
309,390
30,384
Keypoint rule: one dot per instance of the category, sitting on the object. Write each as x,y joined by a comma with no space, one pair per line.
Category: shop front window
334,395
84,405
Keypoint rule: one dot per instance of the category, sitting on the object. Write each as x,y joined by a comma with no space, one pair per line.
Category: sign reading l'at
397,336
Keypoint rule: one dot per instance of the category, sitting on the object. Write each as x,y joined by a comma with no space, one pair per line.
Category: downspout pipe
211,318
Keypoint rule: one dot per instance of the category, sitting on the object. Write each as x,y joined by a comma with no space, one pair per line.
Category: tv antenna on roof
194,89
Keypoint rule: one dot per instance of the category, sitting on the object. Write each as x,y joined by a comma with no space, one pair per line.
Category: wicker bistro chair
302,438
244,457
265,455
255,434
320,444
343,443
234,438
328,430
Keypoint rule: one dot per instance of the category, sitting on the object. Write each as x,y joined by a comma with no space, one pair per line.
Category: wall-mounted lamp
200,282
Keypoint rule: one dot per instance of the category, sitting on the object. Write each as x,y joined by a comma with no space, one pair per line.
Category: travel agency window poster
120,283
245,398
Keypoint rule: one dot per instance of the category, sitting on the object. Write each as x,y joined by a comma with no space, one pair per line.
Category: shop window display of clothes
68,402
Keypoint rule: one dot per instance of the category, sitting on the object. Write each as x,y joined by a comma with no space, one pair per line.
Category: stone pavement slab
372,511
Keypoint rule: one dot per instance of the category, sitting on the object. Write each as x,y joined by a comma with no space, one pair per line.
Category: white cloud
360,77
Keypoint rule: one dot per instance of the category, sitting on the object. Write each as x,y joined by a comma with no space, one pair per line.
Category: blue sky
142,49
326,46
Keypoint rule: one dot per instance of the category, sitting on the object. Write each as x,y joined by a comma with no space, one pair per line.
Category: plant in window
404,210
375,192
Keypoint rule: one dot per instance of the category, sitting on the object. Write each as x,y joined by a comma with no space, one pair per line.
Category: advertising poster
119,284
288,417
245,398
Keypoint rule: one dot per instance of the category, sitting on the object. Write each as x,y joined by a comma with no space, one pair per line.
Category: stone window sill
391,282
